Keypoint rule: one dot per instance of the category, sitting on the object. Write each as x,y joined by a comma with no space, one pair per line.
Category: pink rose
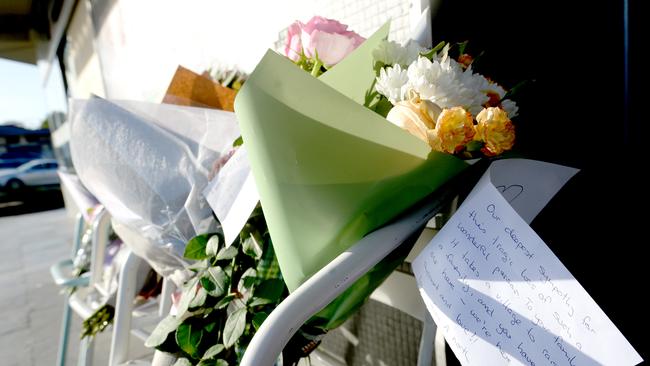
326,38
293,48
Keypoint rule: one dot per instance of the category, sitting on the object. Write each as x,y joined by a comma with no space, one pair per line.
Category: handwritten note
498,292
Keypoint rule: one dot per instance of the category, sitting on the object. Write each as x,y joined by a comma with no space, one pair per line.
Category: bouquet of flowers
380,128
226,290
442,101
331,166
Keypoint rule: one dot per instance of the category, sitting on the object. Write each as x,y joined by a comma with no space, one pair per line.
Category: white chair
90,288
130,320
336,277
86,300
61,271
60,274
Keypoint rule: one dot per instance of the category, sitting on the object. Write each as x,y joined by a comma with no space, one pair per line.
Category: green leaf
378,66
188,337
271,289
169,345
198,266
213,351
252,246
228,270
225,301
371,94
227,253
476,60
383,106
195,248
189,291
213,363
218,362
207,284
212,247
257,301
234,327
199,298
219,279
257,212
205,310
162,330
516,90
182,362
461,47
238,142
474,145
247,280
235,305
258,319
209,327
433,51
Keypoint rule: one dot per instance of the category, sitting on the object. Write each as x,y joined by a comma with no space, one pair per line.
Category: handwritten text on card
502,297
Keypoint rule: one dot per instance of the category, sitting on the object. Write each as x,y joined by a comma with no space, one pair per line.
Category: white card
232,194
497,291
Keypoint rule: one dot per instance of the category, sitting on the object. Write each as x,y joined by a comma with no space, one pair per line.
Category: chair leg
101,227
123,310
441,357
62,353
427,341
86,351
65,329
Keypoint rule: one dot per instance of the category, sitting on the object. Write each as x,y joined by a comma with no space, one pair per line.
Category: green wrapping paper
329,170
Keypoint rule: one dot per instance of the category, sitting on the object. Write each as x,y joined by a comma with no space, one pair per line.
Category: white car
38,172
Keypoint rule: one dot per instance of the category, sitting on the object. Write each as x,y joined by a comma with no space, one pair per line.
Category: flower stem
315,71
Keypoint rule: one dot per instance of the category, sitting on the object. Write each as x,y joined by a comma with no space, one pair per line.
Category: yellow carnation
496,130
454,129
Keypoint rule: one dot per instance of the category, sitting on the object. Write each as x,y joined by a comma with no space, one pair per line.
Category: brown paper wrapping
192,89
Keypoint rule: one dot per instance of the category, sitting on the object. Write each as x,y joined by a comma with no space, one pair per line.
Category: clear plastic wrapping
148,164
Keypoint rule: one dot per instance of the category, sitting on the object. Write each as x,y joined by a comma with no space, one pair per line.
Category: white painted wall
82,64
141,42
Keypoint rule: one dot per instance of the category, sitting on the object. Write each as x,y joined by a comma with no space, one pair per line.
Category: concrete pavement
31,306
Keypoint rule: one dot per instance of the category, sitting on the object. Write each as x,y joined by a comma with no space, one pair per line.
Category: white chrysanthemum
480,87
392,83
444,82
510,107
481,83
393,53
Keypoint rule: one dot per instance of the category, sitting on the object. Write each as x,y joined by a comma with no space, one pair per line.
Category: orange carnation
496,130
454,129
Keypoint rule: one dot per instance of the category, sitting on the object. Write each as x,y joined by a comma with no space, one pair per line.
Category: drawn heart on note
511,192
